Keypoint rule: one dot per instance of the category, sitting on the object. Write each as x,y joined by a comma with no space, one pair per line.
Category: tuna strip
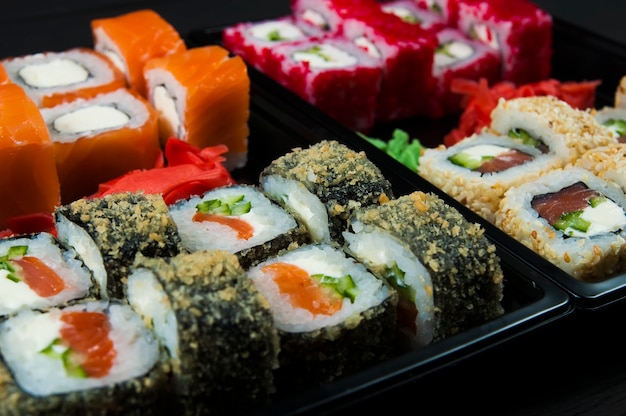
553,205
504,161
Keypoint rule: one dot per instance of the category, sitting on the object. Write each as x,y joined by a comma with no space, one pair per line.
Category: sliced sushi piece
109,232
29,176
239,219
479,169
572,218
614,119
89,358
551,124
253,41
215,325
101,138
458,56
333,316
51,78
334,75
131,39
445,270
321,17
321,185
202,96
519,30
410,12
37,271
606,162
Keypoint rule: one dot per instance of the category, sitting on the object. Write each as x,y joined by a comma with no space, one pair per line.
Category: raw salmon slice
39,277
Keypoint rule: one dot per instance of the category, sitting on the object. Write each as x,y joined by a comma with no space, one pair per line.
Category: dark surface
574,366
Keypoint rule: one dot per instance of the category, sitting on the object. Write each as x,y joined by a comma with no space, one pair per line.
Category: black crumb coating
465,270
145,395
314,358
123,225
340,177
228,343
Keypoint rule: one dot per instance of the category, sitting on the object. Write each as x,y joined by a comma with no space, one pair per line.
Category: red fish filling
44,281
558,207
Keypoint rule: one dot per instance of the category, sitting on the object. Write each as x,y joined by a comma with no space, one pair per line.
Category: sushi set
173,299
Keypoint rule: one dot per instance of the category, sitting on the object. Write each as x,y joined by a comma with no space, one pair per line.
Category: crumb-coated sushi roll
334,317
550,124
89,358
38,271
478,170
572,218
606,162
322,184
101,138
108,232
51,78
441,264
215,325
239,219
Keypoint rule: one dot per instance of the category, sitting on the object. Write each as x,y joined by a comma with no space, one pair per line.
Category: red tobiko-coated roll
253,41
518,29
459,57
318,17
334,75
410,12
447,9
405,52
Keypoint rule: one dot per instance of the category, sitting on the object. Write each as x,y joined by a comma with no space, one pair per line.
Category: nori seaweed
340,177
228,343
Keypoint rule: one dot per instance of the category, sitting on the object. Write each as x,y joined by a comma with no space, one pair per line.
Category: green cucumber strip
395,276
617,126
233,205
597,200
572,220
72,368
344,286
466,161
524,137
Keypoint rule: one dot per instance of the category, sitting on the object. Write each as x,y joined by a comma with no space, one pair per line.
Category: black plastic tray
281,121
579,55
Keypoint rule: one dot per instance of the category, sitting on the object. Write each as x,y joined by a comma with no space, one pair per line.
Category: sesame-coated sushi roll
253,41
51,78
38,272
446,271
573,219
131,39
333,74
550,124
101,138
202,96
519,30
239,219
109,232
333,316
215,326
89,358
614,119
478,170
321,185
607,163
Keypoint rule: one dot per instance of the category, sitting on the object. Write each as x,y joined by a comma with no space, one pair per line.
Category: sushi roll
109,232
478,170
253,41
131,39
239,219
572,218
459,57
89,358
606,162
447,9
29,177
410,12
202,96
334,75
215,326
322,17
551,124
51,78
38,272
333,316
321,185
614,119
447,273
519,30
101,138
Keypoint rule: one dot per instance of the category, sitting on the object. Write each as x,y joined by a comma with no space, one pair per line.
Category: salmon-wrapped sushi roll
101,138
202,96
130,39
29,176
51,78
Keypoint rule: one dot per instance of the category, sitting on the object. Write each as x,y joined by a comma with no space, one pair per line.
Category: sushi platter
527,309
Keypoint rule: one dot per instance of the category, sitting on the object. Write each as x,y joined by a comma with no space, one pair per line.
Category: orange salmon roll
129,40
101,138
28,182
203,97
50,78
